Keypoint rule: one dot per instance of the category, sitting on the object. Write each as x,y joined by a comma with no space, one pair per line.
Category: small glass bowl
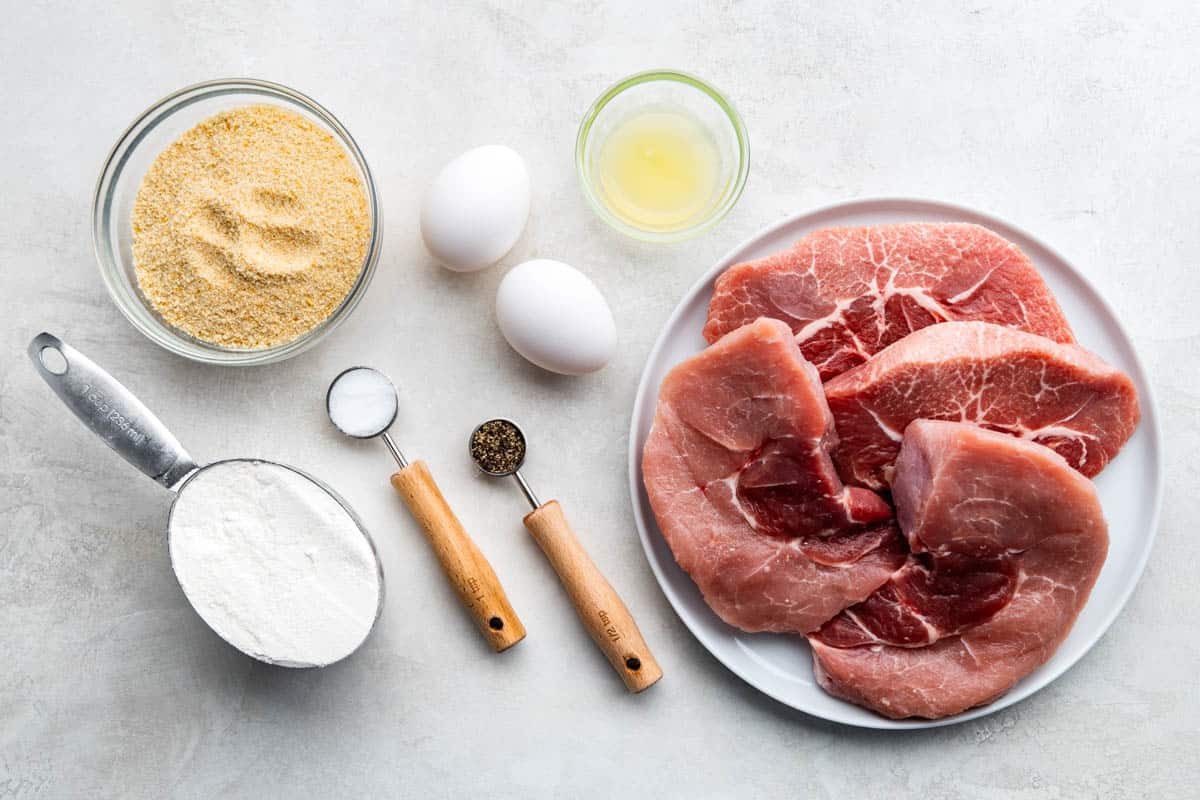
665,89
151,133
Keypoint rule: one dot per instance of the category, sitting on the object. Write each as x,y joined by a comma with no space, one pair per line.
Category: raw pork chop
1058,395
1007,542
847,293
738,473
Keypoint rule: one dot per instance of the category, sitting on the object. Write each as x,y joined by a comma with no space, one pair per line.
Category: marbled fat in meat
738,473
1007,542
1058,395
848,293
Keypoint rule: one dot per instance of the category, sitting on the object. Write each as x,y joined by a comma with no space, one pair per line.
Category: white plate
1130,487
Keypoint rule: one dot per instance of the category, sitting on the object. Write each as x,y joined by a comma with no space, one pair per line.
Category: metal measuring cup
114,414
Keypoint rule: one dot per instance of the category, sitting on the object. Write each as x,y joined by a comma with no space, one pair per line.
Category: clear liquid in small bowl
660,169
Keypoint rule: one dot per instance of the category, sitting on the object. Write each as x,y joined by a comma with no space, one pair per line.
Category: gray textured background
1077,121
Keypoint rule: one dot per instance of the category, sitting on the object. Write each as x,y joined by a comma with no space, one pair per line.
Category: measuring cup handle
110,411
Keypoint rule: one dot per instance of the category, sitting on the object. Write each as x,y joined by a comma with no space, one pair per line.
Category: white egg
555,317
476,207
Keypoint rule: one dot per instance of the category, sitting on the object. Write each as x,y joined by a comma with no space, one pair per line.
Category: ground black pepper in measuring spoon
498,447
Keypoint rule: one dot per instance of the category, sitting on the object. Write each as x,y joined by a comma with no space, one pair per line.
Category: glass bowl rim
110,262
667,75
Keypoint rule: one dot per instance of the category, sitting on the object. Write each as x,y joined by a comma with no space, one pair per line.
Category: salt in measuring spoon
498,449
362,403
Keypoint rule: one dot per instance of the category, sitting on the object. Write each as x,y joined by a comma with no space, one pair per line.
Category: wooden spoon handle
604,615
465,566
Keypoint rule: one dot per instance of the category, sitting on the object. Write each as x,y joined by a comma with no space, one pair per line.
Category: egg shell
476,207
555,317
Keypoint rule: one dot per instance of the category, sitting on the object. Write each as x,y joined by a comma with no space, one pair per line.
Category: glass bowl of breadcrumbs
236,222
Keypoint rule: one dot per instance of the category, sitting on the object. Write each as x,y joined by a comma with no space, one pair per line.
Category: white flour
274,564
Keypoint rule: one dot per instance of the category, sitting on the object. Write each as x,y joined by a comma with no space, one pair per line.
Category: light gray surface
1079,122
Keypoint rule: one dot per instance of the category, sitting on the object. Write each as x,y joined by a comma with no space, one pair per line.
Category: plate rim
645,394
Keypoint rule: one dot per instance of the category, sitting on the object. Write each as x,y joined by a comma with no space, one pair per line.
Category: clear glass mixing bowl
135,151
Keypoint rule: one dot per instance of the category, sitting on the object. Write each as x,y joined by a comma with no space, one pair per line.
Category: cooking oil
659,169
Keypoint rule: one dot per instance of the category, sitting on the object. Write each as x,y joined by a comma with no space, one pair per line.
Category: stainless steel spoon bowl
362,403
515,448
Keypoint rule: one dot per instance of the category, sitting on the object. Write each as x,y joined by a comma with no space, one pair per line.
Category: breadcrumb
250,229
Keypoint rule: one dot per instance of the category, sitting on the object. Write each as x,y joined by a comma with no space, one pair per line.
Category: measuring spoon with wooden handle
362,403
498,449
